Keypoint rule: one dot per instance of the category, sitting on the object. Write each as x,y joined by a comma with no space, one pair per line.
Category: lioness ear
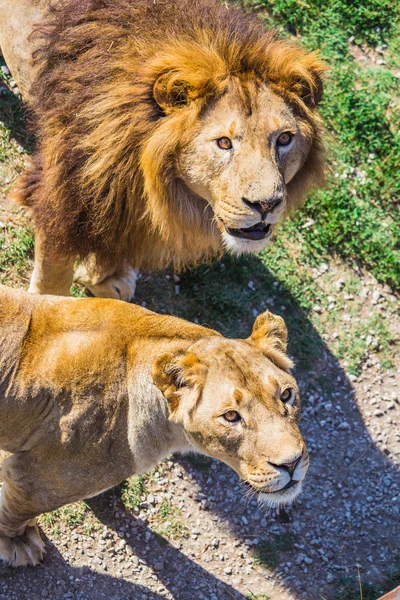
170,91
270,336
172,372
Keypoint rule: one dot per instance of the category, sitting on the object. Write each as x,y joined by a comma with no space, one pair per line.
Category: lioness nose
264,206
288,466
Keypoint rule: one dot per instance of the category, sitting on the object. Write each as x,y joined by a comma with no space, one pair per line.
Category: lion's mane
103,178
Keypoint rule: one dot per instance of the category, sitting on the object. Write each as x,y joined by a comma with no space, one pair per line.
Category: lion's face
246,148
236,405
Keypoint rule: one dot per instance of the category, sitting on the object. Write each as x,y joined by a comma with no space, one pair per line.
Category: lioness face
236,405
247,148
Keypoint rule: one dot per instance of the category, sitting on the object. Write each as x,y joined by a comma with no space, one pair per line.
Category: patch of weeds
200,462
253,596
167,522
348,588
267,552
73,516
16,249
78,291
172,529
133,492
366,336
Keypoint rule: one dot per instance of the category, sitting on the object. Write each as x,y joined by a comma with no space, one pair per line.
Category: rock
344,426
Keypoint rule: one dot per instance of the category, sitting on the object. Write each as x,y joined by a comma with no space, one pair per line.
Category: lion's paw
119,286
23,550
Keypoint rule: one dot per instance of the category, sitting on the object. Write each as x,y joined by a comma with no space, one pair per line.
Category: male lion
167,132
92,391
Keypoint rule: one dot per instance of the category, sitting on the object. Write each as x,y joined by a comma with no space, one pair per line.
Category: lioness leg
119,283
50,275
20,541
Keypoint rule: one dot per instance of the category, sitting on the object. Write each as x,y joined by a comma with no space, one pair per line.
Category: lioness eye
287,395
285,138
224,143
232,416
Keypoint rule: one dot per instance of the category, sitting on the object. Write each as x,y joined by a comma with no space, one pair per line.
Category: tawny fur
104,178
93,391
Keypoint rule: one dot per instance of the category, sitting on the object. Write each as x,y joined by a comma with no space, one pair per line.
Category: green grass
133,492
72,516
357,216
199,462
347,588
16,249
267,552
167,522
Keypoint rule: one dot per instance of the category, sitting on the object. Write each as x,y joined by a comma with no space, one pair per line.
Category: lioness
167,132
93,391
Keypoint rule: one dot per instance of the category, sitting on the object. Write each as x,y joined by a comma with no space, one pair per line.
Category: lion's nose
264,206
288,466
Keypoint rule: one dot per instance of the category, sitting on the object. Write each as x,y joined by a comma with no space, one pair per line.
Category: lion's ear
270,336
309,84
311,91
174,372
170,92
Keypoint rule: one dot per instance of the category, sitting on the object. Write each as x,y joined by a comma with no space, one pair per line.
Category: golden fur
93,391
123,90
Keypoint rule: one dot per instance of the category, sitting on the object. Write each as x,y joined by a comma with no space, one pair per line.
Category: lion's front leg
51,274
20,541
118,283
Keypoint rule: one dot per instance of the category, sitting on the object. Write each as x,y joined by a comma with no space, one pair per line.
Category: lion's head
169,130
238,402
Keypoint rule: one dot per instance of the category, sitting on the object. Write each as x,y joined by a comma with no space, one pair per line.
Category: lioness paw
23,550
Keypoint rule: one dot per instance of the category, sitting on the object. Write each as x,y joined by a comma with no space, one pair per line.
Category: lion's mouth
289,484
259,231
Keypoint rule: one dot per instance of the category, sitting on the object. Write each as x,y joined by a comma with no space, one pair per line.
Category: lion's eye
232,416
287,395
224,143
285,138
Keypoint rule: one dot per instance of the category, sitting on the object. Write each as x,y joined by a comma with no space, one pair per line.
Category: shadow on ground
56,579
14,114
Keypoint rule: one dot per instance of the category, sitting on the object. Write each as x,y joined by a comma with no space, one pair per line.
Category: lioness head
238,402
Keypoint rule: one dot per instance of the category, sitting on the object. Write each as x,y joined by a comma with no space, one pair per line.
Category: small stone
375,296
329,578
344,426
228,570
158,565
